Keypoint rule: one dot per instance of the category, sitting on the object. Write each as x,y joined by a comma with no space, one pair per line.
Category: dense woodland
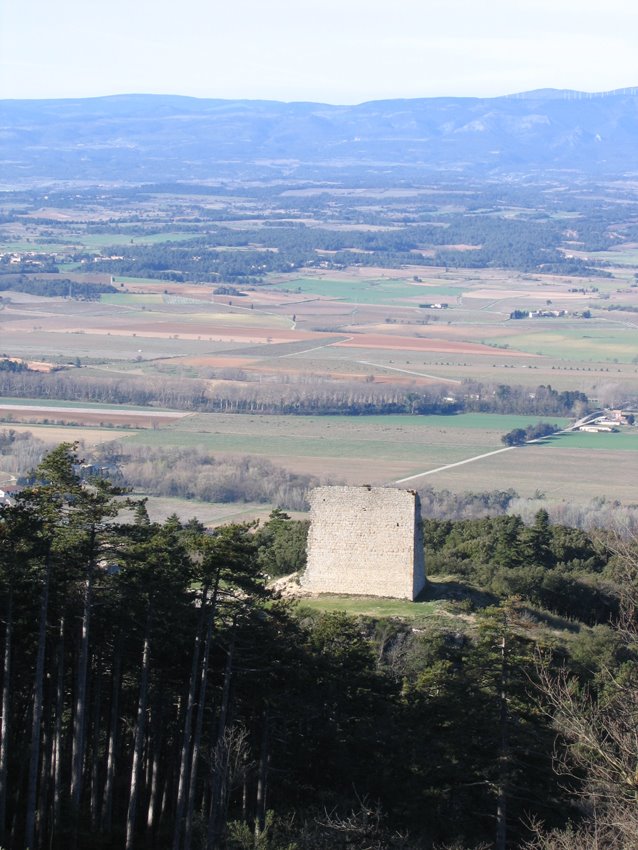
499,243
54,287
155,694
251,231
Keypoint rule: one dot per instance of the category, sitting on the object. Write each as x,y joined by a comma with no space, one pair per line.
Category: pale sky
332,51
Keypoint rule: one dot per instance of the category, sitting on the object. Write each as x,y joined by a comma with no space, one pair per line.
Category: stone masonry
365,541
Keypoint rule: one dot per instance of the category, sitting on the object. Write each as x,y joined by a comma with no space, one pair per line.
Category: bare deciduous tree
600,729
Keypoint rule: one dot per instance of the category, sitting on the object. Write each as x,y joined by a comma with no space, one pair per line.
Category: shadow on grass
539,616
454,590
550,440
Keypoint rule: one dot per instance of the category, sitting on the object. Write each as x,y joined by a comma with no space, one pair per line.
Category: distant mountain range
150,138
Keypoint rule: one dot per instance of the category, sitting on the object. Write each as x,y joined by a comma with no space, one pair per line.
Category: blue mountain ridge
138,137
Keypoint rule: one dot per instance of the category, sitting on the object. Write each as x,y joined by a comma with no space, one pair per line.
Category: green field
619,442
102,240
93,241
621,257
38,247
411,442
365,425
370,290
588,344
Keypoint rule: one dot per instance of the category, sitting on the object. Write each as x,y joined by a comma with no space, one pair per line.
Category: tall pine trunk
154,784
79,717
140,732
45,773
95,744
4,723
184,761
107,804
262,778
36,716
199,723
503,756
219,760
56,766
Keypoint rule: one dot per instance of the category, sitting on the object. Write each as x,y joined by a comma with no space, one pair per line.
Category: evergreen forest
156,693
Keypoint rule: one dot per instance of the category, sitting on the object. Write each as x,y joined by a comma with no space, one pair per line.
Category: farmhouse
546,314
365,541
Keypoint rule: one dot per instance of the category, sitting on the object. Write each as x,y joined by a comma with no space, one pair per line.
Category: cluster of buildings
609,422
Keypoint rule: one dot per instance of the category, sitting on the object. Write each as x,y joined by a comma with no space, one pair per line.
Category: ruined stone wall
365,540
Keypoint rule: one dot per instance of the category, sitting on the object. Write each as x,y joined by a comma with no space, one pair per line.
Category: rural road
376,365
409,372
316,348
573,427
458,463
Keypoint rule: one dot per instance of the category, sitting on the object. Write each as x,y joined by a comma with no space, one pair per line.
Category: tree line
520,436
316,397
56,287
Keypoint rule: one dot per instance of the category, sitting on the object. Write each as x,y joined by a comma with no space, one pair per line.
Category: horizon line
560,93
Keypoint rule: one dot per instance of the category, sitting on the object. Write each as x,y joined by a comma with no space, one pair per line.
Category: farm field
91,241
383,290
211,514
53,435
228,326
623,255
139,330
574,475
379,313
595,344
380,450
414,442
78,415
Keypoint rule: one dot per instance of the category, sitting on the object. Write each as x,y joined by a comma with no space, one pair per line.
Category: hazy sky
335,51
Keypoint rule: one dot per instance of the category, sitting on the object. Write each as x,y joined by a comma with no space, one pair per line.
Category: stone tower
365,541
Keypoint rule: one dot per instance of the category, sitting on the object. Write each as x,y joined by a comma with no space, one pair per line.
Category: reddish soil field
436,345
211,360
84,416
185,290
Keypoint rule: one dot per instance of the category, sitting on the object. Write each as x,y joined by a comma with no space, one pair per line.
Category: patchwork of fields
407,329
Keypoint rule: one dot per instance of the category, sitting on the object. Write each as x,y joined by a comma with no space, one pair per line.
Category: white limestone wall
365,541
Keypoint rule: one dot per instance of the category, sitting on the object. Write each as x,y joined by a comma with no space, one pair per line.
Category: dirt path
307,350
409,372
573,427
452,465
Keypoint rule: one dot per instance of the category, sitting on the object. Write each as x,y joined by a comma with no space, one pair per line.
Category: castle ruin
365,541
